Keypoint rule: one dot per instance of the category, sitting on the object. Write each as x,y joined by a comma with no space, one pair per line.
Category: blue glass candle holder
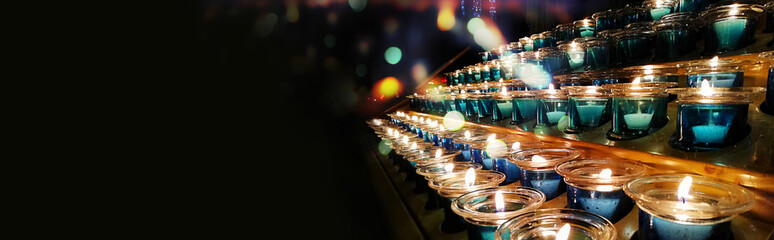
574,55
484,212
477,76
538,41
485,56
711,118
484,105
630,14
495,71
639,109
600,54
496,152
451,186
585,28
527,43
655,73
658,8
674,38
546,223
589,108
768,62
537,168
692,5
565,32
730,27
524,107
597,186
552,60
436,170
702,210
634,46
552,105
606,20
502,106
717,72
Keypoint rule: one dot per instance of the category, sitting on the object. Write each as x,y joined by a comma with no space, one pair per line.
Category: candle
639,109
605,20
659,8
502,104
596,186
564,31
524,106
552,59
598,53
585,28
451,186
687,207
574,53
556,224
487,209
588,105
730,27
711,118
631,13
634,44
527,43
537,168
552,105
692,5
674,37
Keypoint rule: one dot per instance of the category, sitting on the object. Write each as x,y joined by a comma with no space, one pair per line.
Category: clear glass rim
452,185
434,170
583,173
523,158
596,225
464,205
718,95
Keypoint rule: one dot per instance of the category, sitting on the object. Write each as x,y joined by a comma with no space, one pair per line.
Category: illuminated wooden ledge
759,183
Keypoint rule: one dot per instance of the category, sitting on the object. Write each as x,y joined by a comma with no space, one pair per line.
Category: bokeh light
446,19
534,76
292,13
361,70
453,121
387,88
393,55
496,149
385,146
357,5
485,33
419,72
475,24
390,25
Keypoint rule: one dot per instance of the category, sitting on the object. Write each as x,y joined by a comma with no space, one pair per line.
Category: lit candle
537,168
486,209
661,8
671,209
556,224
587,108
596,186
731,27
553,105
451,186
639,109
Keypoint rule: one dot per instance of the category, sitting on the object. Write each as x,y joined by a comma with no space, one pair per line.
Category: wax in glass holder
527,43
552,60
524,106
585,28
495,152
674,38
488,208
436,170
634,45
451,186
547,224
574,54
538,41
711,118
639,109
659,8
730,27
552,105
606,20
589,108
537,168
717,72
687,207
596,186
564,32
483,104
654,73
630,14
600,54
692,5
502,105
466,145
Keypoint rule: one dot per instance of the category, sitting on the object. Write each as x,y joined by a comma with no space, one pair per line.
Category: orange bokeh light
387,88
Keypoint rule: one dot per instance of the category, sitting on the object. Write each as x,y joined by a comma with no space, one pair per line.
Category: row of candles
713,109
664,30
502,188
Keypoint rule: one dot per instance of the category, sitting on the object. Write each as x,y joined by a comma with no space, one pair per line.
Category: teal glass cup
639,109
552,105
488,208
717,72
585,28
658,8
565,32
635,44
590,107
524,106
527,43
606,20
600,53
730,27
675,38
574,55
692,5
631,13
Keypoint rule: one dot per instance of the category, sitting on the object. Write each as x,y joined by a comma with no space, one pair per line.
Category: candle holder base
690,146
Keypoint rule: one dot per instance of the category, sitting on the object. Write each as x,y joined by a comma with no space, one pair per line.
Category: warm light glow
538,159
377,122
413,145
684,189
438,153
470,177
516,145
446,20
714,62
551,87
734,10
467,134
491,138
636,81
453,120
499,202
706,89
606,174
405,139
449,167
564,232
414,118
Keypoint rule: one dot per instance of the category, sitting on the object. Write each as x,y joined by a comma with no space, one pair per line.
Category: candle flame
734,10
714,62
449,167
499,202
564,232
414,145
684,189
606,174
516,145
706,89
591,90
550,86
470,177
538,159
636,81
377,122
405,139
389,131
421,119
438,153
414,118
467,134
491,138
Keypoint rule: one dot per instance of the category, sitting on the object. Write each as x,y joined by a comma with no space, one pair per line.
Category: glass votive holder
730,27
537,168
451,186
483,104
495,70
589,108
486,56
574,54
767,59
674,38
524,106
527,43
564,32
639,109
658,8
597,186
488,208
692,5
585,28
606,20
477,74
538,41
546,224
432,171
552,105
717,72
687,207
631,13
516,47
711,118
654,73
502,105
572,79
552,60
600,53
635,44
